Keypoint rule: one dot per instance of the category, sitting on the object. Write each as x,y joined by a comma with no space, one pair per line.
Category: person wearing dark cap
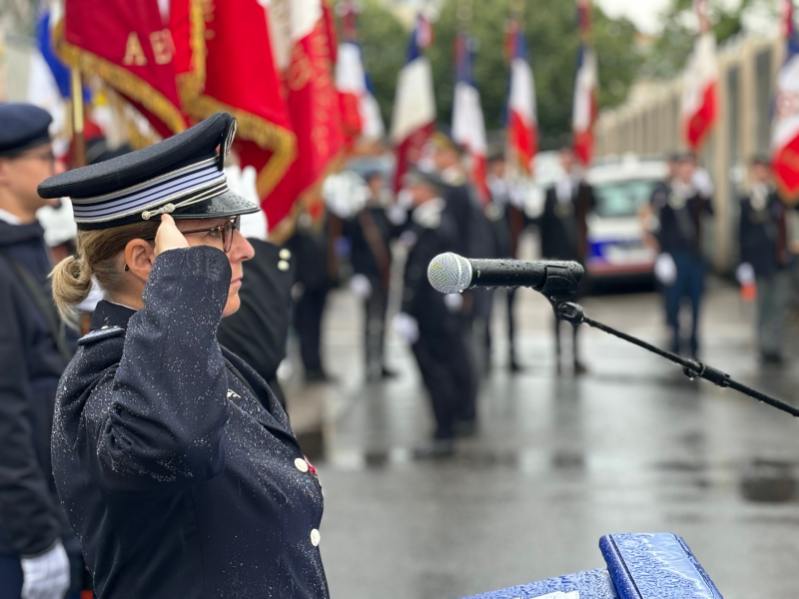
430,322
34,350
370,233
174,460
765,258
564,234
677,226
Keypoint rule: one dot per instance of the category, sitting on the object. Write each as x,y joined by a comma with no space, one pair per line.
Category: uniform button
316,537
284,254
282,266
301,465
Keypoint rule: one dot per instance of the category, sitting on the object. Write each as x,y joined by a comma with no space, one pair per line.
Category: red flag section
128,45
305,54
785,131
225,62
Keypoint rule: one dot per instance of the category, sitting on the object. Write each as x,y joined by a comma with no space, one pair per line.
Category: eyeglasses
222,232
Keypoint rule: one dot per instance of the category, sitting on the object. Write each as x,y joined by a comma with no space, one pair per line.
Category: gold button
283,266
301,465
284,254
316,537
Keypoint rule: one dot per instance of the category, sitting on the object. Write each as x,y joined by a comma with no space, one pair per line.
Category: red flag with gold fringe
305,47
129,46
225,62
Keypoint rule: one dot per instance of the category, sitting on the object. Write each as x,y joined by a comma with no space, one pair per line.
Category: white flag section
786,122
351,79
584,106
468,126
290,21
699,83
43,92
414,103
522,93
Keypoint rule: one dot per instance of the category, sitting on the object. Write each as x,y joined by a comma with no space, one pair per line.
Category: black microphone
451,273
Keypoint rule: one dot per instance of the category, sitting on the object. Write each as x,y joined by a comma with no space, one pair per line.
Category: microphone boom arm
574,313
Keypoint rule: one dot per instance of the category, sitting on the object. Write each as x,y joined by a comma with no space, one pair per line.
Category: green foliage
384,41
669,53
552,37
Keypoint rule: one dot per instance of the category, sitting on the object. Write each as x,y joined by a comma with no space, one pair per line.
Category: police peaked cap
22,126
181,176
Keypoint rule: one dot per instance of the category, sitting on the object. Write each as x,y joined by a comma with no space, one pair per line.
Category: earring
127,268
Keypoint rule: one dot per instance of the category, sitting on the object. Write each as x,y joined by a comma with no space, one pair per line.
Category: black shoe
580,368
386,373
515,367
318,376
771,359
437,449
466,428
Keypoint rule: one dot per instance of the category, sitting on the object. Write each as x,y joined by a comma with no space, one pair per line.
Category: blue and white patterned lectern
639,566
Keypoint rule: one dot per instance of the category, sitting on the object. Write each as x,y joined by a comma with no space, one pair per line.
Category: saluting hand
168,237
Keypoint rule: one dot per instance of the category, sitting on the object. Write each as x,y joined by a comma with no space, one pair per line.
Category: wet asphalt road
559,461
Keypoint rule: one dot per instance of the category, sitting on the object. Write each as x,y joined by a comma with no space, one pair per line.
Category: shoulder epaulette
105,332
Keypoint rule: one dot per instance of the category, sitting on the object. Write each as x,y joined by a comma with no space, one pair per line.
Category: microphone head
449,273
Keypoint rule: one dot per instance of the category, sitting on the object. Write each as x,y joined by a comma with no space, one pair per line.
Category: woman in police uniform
175,463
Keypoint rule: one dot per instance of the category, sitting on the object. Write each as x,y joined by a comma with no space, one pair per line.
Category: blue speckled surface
640,566
655,566
592,584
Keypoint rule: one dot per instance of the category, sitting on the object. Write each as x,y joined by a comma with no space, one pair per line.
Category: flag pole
78,138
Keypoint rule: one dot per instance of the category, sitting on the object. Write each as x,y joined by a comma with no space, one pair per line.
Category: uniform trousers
448,375
374,329
773,298
308,312
690,284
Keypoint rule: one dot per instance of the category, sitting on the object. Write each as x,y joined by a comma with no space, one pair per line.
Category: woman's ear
139,257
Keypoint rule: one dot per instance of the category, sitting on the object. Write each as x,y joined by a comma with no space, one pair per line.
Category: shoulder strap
44,305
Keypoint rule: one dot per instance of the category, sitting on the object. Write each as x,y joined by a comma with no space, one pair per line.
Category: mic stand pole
574,313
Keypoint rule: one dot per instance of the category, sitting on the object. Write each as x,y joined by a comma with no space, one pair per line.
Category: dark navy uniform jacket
30,365
174,461
564,224
680,221
763,235
430,235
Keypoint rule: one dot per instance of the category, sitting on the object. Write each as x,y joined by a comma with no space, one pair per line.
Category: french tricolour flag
699,104
785,135
522,113
586,108
413,119
360,110
468,126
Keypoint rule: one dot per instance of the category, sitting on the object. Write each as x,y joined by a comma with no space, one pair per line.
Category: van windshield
622,198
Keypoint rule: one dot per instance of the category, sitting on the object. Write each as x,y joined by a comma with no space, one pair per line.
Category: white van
615,234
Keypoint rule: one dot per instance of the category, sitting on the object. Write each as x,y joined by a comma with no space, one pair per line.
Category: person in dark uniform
175,462
370,233
259,330
312,282
564,234
429,321
765,258
508,222
677,215
34,350
474,239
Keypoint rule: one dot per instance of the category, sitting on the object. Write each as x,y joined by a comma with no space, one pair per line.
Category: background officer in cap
429,321
370,233
33,352
564,233
175,462
765,258
677,225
